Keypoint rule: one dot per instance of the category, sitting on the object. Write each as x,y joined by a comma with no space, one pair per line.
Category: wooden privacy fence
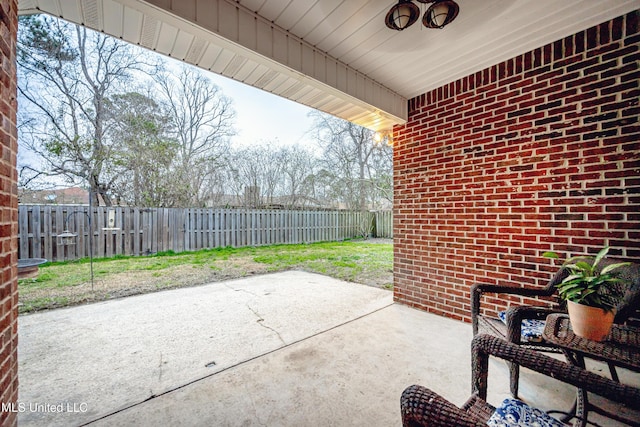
382,224
140,231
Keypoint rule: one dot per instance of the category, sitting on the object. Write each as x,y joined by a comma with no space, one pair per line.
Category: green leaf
585,266
550,254
572,277
600,255
573,258
612,267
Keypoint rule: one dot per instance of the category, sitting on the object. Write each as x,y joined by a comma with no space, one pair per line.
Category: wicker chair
510,329
423,407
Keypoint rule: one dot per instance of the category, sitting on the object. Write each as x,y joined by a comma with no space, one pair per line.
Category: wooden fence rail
144,231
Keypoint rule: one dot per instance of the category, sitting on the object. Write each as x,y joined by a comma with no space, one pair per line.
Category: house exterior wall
8,211
541,152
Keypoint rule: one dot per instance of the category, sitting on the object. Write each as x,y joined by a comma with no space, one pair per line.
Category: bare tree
351,161
380,174
266,175
203,121
255,173
216,182
298,168
66,74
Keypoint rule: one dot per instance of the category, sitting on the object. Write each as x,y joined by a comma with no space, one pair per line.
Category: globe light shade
402,15
440,13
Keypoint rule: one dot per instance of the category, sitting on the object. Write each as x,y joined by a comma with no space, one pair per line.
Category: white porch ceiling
335,55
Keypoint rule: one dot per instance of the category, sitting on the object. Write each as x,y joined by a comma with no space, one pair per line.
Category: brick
601,67
616,28
600,117
603,50
582,64
627,69
599,134
604,30
598,84
583,81
548,105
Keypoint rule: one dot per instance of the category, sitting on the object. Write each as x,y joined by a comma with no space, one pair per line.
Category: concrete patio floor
283,349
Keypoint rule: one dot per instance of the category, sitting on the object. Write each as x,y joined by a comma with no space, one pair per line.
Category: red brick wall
8,211
541,152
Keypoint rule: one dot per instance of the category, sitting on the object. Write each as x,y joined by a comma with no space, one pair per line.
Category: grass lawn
69,283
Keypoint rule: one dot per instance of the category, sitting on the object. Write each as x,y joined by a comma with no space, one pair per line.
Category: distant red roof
59,196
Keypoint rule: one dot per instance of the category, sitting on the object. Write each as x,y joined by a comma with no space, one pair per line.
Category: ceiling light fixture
383,136
440,13
402,15
405,13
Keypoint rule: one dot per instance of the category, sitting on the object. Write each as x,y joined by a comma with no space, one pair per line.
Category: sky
263,116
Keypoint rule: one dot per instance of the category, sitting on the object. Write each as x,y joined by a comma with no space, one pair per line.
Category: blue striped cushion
531,330
515,413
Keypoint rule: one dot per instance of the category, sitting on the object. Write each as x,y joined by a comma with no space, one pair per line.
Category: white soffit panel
133,25
166,38
71,10
113,21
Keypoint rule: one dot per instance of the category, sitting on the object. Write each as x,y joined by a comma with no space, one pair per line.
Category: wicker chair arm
422,407
478,289
484,346
483,288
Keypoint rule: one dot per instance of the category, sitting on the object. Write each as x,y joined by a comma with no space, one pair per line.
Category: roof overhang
335,55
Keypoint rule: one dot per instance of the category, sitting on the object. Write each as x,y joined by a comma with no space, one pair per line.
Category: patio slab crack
160,368
240,290
260,321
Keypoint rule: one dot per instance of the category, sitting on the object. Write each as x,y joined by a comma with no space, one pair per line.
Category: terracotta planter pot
590,322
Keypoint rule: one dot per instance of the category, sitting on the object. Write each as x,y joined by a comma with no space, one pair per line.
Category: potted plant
591,294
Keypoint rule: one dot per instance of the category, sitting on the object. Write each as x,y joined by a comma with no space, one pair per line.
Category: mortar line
179,387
